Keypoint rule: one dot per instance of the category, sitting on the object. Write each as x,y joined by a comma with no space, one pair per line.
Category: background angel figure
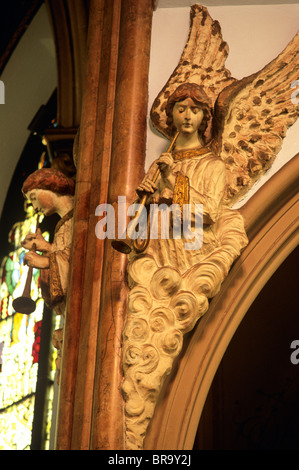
214,162
50,191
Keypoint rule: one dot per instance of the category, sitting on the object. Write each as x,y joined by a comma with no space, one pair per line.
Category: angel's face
43,200
187,116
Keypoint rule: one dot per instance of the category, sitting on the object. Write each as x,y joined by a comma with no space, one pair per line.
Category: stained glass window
20,342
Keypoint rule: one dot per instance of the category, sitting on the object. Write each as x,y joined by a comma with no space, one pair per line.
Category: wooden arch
69,22
272,221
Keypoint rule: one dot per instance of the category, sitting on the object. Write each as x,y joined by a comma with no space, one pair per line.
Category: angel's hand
36,241
147,186
35,260
165,163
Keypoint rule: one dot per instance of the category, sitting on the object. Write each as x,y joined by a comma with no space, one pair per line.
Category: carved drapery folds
164,303
271,221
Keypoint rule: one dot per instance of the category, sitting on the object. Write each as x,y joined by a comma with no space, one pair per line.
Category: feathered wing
251,119
252,115
202,62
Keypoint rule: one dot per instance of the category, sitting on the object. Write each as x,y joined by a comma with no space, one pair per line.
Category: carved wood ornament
215,161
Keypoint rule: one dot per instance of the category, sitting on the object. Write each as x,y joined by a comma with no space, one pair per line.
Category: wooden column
69,368
111,161
127,169
100,166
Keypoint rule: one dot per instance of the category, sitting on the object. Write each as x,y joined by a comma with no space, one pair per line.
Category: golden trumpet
24,304
125,245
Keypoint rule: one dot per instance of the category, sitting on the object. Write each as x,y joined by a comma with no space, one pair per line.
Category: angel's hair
198,95
50,179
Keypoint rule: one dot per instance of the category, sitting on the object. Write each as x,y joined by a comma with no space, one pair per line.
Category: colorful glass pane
19,343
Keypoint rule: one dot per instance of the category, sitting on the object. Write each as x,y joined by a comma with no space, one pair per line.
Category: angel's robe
200,179
54,279
170,286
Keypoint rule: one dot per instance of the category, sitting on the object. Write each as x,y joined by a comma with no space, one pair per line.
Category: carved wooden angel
50,191
230,132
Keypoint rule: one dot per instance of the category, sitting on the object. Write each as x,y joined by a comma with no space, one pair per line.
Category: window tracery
20,340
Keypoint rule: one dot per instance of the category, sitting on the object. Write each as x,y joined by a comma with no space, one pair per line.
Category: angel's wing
251,118
202,62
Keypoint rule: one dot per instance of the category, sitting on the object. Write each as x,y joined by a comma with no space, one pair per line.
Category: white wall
255,34
30,78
